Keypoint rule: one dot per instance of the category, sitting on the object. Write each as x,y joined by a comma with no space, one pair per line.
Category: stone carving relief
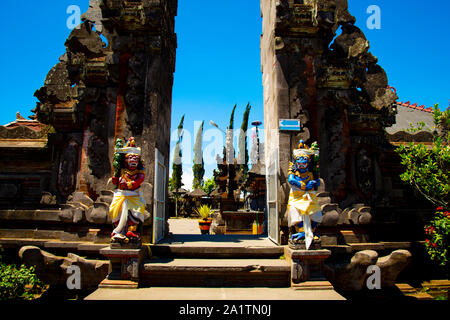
68,169
364,172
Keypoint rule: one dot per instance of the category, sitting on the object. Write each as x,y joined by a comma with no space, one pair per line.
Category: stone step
72,246
213,251
421,296
437,284
216,273
217,246
433,288
406,288
226,295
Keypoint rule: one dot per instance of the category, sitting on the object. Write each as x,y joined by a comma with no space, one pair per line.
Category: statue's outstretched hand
123,184
294,182
310,185
316,183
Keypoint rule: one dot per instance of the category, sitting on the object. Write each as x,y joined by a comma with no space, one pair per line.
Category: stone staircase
230,261
215,266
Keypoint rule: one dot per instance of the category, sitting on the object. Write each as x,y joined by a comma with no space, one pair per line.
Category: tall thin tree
229,149
231,126
177,167
199,166
243,150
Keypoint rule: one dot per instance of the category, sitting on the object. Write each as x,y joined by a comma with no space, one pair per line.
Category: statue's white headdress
304,150
130,148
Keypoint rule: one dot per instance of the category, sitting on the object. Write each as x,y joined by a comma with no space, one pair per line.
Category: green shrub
428,171
209,185
19,283
437,232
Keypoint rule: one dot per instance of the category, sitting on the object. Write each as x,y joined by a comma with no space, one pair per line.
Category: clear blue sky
218,56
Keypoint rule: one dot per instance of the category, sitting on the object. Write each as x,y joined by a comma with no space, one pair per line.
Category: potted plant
204,211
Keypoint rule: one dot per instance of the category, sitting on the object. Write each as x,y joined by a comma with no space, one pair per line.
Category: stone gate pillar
333,85
114,81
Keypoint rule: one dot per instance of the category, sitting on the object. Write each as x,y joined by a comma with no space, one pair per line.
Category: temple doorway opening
224,92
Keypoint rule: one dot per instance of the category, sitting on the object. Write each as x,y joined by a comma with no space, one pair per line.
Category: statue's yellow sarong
303,203
126,201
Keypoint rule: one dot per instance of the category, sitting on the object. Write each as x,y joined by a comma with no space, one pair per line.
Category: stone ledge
17,233
22,242
92,247
187,250
216,265
118,284
396,245
366,246
312,285
48,234
354,247
46,243
421,296
405,288
307,254
131,253
31,215
83,235
125,246
61,245
410,291
441,284
338,249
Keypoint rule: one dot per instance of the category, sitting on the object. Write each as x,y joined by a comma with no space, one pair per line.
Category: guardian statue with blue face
304,212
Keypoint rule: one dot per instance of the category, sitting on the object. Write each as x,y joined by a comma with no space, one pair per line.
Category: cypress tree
177,168
199,166
229,149
230,127
243,150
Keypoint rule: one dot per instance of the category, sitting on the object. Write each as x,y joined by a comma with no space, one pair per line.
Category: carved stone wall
26,164
317,68
114,81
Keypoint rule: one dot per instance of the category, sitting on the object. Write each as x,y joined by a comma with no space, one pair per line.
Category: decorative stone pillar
333,85
307,268
124,268
114,81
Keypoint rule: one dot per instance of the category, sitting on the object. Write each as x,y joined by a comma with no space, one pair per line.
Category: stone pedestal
124,266
242,221
301,245
306,268
228,205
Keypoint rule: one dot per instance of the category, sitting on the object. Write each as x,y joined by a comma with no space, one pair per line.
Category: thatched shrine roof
198,193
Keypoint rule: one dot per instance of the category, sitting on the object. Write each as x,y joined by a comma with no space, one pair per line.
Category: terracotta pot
204,225
257,228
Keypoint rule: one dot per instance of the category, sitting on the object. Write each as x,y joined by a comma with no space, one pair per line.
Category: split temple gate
122,87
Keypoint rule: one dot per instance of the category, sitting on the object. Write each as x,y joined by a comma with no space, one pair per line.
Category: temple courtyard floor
188,293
